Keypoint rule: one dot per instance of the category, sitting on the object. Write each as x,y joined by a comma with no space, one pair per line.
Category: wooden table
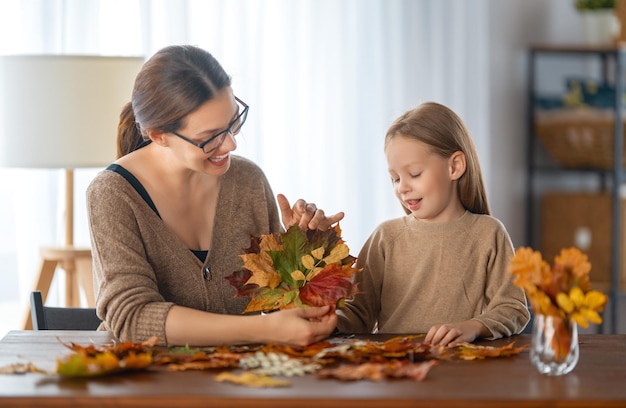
599,380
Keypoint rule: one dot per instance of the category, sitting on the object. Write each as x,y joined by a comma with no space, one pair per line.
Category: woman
171,216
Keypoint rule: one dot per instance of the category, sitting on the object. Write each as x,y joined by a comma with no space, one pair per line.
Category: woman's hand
455,333
301,326
305,215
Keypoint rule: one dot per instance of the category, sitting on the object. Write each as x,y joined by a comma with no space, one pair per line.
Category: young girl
442,269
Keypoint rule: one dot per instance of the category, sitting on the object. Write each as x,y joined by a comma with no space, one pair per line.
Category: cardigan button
206,273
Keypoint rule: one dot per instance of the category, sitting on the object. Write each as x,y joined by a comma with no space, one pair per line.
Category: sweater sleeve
360,314
506,311
127,296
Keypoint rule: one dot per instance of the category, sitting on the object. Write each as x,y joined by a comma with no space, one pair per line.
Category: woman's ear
157,137
458,165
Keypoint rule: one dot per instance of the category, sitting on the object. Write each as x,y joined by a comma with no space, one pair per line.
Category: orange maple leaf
263,273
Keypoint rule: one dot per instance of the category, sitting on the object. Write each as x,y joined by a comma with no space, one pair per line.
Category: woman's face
422,180
209,120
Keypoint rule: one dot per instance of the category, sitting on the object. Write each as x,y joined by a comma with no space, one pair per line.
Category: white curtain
323,78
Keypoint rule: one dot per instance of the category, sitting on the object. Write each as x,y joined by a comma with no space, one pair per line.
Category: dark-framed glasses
216,141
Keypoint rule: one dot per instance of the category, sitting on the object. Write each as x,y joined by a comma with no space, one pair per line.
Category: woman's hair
171,84
442,129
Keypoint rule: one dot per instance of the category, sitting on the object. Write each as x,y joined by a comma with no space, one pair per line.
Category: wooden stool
76,262
620,13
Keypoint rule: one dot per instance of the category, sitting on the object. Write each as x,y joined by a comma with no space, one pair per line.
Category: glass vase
554,345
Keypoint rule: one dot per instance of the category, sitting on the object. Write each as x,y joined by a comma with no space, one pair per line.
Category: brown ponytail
129,137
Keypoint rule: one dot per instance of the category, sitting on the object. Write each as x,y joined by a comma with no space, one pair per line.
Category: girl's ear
157,137
458,165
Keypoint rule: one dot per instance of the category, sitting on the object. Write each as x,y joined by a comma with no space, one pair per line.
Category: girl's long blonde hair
443,130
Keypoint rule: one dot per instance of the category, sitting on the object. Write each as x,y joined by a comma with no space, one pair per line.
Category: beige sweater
419,274
141,268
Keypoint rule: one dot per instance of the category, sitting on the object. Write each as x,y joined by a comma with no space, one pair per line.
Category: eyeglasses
216,141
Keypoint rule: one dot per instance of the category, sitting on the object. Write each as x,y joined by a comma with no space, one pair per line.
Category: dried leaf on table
468,351
92,361
20,368
379,371
201,361
251,380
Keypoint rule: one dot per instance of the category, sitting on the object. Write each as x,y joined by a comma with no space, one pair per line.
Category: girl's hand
305,215
301,326
455,333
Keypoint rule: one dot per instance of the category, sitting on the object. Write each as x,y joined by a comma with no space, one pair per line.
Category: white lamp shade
62,111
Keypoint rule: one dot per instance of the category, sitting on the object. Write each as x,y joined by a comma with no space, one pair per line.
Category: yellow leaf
251,380
298,275
577,296
592,316
580,319
308,261
318,253
595,300
107,361
137,361
337,254
269,243
564,302
270,301
313,273
263,273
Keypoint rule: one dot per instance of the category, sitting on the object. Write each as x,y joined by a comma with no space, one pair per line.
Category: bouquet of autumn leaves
562,290
296,269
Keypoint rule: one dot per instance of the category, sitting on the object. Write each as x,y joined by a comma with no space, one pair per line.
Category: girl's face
424,182
211,118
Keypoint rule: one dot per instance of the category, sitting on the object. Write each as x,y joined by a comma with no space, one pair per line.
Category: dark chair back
61,318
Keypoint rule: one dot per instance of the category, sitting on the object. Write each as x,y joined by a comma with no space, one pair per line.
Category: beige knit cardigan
141,268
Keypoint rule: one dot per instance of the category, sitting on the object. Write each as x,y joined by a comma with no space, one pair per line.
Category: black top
200,254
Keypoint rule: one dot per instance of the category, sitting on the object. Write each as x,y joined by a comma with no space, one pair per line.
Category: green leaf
265,299
290,296
284,265
294,243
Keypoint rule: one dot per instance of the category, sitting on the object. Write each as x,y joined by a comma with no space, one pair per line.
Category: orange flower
562,290
577,265
529,267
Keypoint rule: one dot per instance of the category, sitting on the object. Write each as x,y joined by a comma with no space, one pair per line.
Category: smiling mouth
413,204
218,158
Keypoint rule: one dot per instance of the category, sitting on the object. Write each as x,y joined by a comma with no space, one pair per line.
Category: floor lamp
61,112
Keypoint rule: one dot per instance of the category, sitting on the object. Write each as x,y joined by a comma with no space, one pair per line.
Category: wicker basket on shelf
578,138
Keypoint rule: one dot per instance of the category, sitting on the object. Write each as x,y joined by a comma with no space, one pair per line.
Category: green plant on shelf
583,5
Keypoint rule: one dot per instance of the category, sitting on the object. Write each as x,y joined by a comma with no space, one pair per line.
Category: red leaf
329,286
238,280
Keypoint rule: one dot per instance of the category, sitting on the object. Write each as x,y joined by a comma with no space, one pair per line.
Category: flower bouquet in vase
296,269
561,298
